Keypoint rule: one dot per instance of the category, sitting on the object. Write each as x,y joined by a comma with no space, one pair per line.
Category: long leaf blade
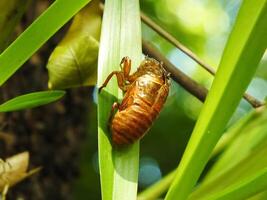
248,150
31,100
251,135
239,182
120,36
243,190
242,54
36,35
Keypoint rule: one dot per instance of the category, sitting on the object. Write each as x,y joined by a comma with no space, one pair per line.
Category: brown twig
175,42
250,99
185,81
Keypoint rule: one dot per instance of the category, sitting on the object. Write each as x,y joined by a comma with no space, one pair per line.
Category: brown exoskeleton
146,91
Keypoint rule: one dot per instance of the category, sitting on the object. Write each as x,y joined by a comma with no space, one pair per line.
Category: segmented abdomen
132,123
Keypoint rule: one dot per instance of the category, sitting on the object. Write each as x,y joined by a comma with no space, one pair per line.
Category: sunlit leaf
74,61
251,135
243,162
36,35
259,196
120,36
31,100
243,189
244,49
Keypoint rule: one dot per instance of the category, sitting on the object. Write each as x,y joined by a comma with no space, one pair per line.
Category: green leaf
259,196
243,51
11,13
248,171
120,36
36,35
31,100
74,61
248,150
243,189
250,136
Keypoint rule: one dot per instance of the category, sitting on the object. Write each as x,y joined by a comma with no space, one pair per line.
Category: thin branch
175,42
252,100
185,81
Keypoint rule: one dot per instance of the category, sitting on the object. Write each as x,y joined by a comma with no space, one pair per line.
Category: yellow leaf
14,169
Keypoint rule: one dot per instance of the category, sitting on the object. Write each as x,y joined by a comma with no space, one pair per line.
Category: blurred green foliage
203,26
11,13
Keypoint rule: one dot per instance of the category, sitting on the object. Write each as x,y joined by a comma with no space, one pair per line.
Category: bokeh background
62,137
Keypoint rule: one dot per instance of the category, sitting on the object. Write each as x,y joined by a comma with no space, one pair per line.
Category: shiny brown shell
145,96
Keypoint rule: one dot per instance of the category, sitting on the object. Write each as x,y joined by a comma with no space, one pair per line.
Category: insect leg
120,79
126,66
